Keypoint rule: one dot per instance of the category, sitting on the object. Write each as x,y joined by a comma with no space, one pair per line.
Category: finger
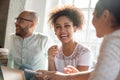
52,50
69,70
73,68
53,47
52,53
41,71
66,71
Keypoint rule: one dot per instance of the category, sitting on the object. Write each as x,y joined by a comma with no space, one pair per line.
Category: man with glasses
26,46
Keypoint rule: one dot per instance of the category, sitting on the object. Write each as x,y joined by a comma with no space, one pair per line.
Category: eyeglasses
19,20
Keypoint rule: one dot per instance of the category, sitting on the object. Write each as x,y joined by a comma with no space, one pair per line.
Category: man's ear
32,24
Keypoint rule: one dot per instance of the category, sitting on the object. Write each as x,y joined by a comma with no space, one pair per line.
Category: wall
15,7
39,6
4,5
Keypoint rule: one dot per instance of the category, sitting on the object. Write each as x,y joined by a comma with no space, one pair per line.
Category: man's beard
23,31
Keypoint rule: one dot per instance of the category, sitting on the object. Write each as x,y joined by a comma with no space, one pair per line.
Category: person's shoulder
83,46
110,44
114,37
115,34
82,49
12,35
111,41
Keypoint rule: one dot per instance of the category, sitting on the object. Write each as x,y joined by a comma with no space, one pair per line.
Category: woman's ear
75,28
106,15
55,31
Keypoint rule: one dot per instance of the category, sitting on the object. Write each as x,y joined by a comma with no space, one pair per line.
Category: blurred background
11,8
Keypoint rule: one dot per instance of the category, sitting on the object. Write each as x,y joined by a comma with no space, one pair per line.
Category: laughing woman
71,57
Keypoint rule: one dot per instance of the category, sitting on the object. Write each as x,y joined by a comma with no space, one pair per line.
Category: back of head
71,12
113,6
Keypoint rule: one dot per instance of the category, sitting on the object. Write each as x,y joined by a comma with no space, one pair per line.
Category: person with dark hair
106,20
65,21
71,57
28,49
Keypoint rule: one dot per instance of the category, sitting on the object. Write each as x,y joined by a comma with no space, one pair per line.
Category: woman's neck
68,48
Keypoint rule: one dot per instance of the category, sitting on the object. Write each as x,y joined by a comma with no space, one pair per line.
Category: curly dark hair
72,12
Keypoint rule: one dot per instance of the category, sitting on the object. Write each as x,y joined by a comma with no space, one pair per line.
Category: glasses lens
22,19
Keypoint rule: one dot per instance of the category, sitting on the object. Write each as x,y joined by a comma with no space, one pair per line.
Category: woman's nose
62,29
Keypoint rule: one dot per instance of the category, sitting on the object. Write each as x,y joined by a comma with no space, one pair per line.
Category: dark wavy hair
71,12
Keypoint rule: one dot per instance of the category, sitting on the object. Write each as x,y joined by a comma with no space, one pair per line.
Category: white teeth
64,35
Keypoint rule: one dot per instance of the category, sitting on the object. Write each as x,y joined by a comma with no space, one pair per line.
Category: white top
108,66
31,50
80,56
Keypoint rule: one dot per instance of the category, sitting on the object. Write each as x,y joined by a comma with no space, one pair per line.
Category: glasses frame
19,19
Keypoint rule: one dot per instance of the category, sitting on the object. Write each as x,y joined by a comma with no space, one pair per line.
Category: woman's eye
57,27
67,26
